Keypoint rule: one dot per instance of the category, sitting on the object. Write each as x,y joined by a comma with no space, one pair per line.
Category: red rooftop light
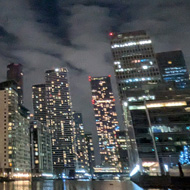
111,33
109,75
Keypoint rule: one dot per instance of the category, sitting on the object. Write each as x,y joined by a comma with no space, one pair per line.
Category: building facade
14,72
135,63
173,68
123,150
81,148
91,155
136,72
39,102
161,130
14,135
41,149
106,119
59,120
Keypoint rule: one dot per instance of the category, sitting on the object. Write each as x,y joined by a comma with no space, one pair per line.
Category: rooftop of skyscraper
39,85
62,69
127,34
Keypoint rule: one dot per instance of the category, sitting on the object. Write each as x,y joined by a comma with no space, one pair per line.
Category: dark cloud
43,51
6,37
54,18
74,68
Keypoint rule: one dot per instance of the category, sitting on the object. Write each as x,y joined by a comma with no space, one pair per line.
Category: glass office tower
136,72
135,64
173,68
164,122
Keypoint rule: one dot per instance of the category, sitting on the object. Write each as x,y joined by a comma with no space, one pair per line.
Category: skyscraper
161,129
173,68
40,134
106,119
123,150
14,134
59,120
90,147
14,72
135,64
39,102
136,72
41,150
81,148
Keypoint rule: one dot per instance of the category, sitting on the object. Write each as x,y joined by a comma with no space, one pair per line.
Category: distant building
81,148
90,148
106,119
41,149
14,72
39,102
59,120
104,170
161,129
173,68
122,143
40,135
14,134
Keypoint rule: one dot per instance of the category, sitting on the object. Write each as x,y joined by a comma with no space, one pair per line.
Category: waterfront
69,185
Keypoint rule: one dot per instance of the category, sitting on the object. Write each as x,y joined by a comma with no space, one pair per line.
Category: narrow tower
59,120
14,72
106,119
81,148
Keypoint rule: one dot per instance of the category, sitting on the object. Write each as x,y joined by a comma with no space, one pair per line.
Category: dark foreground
69,185
164,181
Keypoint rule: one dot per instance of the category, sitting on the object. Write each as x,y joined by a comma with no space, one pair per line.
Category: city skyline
39,43
42,87
52,104
92,122
95,90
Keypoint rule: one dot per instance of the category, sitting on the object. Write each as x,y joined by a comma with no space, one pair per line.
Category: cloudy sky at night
45,34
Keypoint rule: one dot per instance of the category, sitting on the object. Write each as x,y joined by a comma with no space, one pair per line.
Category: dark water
69,185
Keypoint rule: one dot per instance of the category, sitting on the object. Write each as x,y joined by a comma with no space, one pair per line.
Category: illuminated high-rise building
81,148
14,134
41,150
161,128
173,68
40,135
106,119
14,72
135,64
136,72
123,150
90,148
39,102
59,120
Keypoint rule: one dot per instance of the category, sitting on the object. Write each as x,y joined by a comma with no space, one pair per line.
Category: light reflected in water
17,185
69,185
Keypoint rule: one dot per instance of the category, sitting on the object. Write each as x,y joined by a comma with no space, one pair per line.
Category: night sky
45,34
